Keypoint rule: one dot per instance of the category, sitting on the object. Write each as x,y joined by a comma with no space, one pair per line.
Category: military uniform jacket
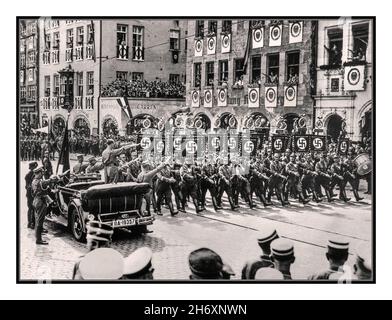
29,179
225,172
109,156
40,187
94,168
322,166
80,168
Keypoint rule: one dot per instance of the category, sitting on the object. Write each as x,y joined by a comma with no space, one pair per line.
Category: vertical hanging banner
257,38
301,143
248,147
271,96
343,146
295,31
214,146
233,144
253,97
318,143
195,95
211,45
208,98
146,140
290,96
354,77
191,146
179,138
198,47
275,35
280,143
225,43
222,97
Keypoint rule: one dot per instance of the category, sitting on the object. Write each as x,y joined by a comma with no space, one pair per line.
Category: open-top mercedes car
86,197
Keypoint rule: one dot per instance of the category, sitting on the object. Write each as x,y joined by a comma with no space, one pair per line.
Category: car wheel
77,226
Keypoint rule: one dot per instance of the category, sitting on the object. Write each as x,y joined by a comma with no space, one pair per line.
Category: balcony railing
90,103
138,54
89,51
68,54
55,56
78,103
55,103
122,52
79,53
46,57
44,103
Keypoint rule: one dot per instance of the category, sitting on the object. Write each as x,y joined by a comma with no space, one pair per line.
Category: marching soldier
282,256
308,177
240,185
264,241
29,194
323,178
207,184
163,189
178,196
350,176
40,190
276,180
294,179
338,178
188,186
225,175
258,181
337,254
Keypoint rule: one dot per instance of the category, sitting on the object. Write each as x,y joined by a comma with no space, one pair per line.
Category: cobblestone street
231,234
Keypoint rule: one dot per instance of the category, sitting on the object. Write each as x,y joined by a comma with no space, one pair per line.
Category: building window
223,71
122,75
70,38
69,21
174,78
197,74
226,26
47,41
174,40
176,23
292,67
122,41
56,40
273,68
138,46
54,23
137,76
47,86
63,82
256,69
79,84
90,83
56,85
199,28
209,73
80,36
238,70
31,61
335,85
360,41
90,33
212,26
334,48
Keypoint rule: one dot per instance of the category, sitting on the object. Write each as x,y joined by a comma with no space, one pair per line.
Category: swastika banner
280,143
318,143
301,143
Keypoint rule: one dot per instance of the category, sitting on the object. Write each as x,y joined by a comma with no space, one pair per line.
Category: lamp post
67,77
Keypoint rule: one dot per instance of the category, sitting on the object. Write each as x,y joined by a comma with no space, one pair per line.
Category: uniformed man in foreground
264,240
29,195
138,265
40,191
363,265
282,256
337,255
94,166
80,167
205,263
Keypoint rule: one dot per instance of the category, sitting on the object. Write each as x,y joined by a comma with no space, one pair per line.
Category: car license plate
124,222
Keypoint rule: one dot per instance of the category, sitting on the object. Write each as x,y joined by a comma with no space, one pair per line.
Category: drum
364,164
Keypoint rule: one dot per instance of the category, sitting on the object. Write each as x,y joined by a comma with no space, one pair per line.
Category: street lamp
67,77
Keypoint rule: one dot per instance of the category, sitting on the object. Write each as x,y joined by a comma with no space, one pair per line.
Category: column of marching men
301,176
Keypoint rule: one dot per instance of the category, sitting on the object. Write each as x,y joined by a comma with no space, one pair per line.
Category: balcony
44,103
89,51
68,55
122,52
78,53
138,54
55,56
46,57
78,103
55,103
90,103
